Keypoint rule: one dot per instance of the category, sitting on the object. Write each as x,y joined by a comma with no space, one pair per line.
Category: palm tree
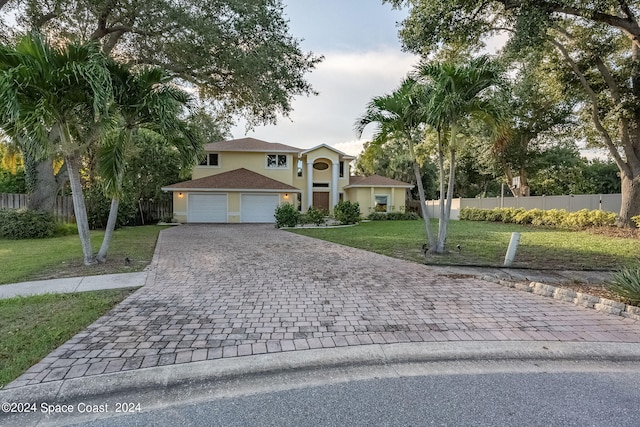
143,99
399,116
49,96
457,93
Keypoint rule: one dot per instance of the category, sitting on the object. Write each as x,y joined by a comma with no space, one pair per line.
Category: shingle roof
236,179
375,181
250,144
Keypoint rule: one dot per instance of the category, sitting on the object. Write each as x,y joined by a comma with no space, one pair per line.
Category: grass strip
485,244
37,259
32,327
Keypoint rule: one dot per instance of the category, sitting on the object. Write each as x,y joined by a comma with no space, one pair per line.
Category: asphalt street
542,394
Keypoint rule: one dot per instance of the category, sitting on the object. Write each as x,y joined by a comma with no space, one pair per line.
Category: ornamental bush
26,224
98,206
626,283
393,216
316,216
347,212
286,215
636,220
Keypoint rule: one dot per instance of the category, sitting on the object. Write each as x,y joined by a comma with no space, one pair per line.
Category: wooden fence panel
62,210
152,211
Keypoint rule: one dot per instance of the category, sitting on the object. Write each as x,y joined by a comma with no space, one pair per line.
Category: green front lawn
34,259
32,327
485,243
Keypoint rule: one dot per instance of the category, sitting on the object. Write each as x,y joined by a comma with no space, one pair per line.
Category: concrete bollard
511,251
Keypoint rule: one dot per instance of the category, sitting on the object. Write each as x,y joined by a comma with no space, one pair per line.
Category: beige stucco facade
317,177
366,197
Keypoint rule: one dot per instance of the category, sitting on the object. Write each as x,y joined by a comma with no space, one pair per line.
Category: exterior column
373,199
334,185
309,185
392,202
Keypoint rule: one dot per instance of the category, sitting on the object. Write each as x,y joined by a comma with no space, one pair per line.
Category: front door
321,200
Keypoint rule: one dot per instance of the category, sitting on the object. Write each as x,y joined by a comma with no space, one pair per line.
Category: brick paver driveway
234,290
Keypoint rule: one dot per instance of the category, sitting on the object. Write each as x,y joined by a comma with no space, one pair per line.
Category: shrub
636,219
626,283
26,224
286,215
393,216
316,216
98,206
65,229
551,218
347,212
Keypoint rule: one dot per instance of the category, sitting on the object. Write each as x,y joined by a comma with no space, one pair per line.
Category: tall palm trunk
442,226
108,232
423,201
446,212
80,208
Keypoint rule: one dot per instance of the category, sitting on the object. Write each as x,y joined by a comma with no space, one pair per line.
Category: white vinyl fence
571,203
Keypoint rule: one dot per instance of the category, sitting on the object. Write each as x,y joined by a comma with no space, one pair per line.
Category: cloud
346,82
353,147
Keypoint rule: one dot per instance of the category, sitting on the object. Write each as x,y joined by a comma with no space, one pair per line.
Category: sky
363,59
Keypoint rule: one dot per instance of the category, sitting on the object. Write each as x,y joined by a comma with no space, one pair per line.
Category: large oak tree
598,41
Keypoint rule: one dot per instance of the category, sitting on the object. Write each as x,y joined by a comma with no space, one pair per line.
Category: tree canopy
596,43
237,53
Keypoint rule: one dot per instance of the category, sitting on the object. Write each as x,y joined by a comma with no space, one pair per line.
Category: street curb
106,385
581,299
160,387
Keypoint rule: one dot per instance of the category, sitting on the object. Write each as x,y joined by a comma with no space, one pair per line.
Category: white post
511,251
309,184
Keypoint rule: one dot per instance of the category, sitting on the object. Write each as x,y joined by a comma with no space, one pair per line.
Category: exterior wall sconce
180,195
286,195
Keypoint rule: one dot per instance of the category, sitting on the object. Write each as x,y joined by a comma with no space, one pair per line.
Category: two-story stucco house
244,180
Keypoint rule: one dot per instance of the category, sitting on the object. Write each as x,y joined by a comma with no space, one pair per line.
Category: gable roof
250,144
238,179
375,181
340,153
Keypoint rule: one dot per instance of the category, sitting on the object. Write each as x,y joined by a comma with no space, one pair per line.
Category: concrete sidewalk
74,284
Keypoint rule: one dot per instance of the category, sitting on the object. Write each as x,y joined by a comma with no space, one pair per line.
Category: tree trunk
44,187
423,206
442,230
525,190
423,200
441,222
80,209
108,232
630,201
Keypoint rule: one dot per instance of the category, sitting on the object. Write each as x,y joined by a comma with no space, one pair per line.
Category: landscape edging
578,298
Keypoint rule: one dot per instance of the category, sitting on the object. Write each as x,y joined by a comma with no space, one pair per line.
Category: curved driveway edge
160,387
223,291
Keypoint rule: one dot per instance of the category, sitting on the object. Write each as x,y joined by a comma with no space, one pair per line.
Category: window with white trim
382,202
211,159
300,168
278,161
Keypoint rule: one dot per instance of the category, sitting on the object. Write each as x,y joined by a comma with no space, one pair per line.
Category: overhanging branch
593,97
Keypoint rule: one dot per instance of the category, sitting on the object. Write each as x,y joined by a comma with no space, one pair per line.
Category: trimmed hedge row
18,224
393,216
551,218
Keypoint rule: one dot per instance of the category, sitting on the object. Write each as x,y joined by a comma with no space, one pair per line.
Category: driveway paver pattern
219,291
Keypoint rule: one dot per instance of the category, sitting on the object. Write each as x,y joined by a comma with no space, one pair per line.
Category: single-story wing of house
244,180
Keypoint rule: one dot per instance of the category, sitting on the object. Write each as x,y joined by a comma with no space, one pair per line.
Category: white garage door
207,208
258,207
